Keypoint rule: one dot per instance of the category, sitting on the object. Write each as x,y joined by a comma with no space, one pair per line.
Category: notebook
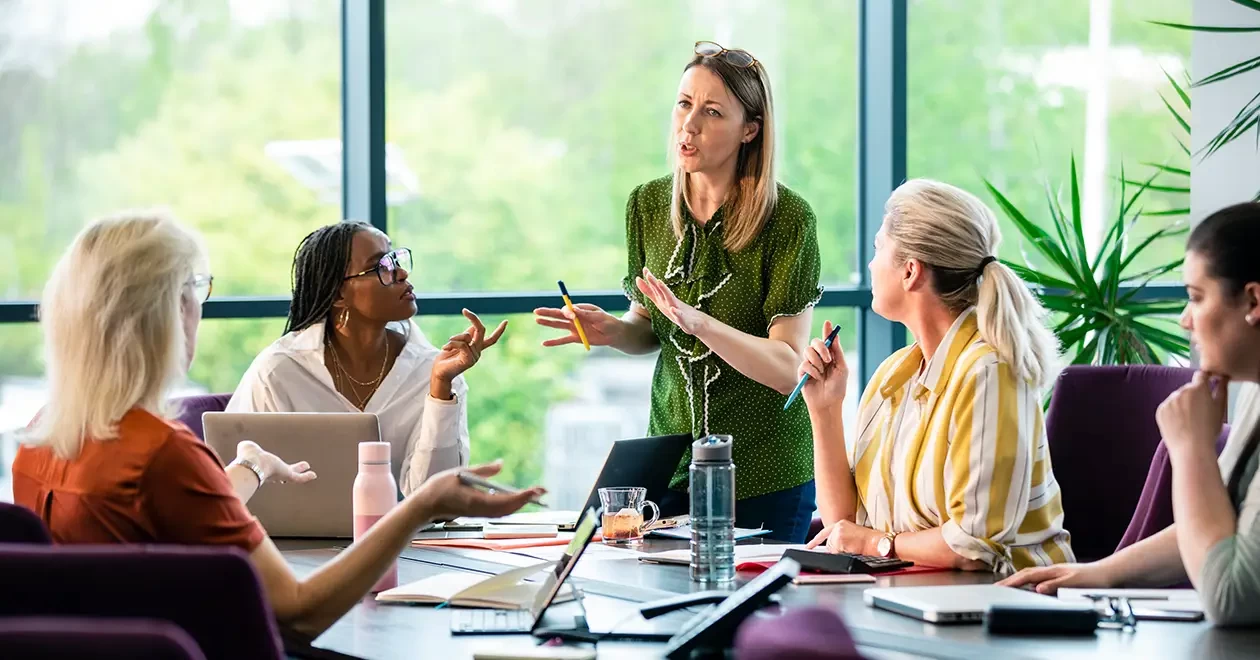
743,553
683,532
498,545
506,591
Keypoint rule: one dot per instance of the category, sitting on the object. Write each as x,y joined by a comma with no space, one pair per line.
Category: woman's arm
837,497
315,603
1151,562
245,482
772,361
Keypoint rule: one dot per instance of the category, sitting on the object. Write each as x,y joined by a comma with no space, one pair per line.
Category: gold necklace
337,361
362,400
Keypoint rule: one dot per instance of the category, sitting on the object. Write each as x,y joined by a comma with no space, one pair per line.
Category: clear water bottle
712,510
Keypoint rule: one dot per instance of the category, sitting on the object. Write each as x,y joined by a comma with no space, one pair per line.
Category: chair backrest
19,524
190,409
810,633
1102,434
212,593
76,638
1154,509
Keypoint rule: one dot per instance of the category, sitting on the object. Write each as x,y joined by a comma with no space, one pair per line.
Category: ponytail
956,235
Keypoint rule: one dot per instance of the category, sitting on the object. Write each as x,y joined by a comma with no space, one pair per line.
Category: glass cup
623,514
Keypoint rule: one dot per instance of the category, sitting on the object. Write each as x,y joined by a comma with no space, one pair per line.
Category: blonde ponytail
956,235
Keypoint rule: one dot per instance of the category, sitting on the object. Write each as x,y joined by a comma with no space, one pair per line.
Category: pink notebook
759,566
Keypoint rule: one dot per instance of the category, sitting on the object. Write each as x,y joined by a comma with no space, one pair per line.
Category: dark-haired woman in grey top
1215,539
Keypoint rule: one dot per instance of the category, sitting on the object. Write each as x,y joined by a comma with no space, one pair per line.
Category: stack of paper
506,591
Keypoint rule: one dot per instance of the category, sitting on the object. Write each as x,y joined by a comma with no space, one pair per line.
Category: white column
1096,185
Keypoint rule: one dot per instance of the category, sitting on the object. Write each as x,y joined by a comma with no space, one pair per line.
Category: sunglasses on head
738,58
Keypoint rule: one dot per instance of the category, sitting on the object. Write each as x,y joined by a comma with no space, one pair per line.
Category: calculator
844,562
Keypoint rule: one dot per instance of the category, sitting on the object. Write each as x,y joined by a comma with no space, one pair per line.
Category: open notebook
505,591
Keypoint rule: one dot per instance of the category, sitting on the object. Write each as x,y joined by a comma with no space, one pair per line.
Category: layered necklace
340,372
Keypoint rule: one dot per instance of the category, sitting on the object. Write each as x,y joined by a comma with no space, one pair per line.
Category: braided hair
319,268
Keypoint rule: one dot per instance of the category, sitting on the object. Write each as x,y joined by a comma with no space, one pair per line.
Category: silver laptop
952,604
328,441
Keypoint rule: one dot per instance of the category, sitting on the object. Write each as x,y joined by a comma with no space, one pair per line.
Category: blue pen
792,397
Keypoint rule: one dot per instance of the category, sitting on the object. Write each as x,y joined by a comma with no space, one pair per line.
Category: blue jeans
787,513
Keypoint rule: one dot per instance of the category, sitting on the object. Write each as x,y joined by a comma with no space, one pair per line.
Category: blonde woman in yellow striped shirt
950,466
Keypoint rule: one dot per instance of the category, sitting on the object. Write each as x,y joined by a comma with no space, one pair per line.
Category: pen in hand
792,397
475,481
564,293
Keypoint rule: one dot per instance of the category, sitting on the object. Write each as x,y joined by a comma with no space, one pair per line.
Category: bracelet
253,467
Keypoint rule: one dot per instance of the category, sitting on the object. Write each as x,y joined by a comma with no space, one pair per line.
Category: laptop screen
572,553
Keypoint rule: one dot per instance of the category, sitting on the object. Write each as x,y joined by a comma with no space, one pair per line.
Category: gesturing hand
690,319
463,351
602,328
274,469
827,369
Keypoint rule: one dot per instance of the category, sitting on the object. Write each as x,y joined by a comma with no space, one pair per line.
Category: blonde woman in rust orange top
104,464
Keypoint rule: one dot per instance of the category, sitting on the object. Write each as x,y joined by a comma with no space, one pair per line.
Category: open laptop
516,622
647,462
328,441
954,603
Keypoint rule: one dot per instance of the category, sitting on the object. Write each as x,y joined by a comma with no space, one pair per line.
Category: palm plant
1248,117
1101,315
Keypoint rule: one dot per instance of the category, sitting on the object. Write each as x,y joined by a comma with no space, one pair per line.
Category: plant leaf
1183,146
1154,307
1087,353
1247,117
1172,189
1230,71
1033,277
1181,91
1169,212
1082,255
1176,115
1175,229
1033,233
1249,4
1205,28
1179,171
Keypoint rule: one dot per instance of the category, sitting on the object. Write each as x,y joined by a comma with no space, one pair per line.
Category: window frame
881,146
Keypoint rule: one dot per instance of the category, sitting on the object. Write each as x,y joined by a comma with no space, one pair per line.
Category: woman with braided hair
350,345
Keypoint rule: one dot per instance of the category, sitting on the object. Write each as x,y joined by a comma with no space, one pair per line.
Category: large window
228,113
517,129
1009,90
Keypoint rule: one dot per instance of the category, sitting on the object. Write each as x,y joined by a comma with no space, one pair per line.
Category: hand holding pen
824,372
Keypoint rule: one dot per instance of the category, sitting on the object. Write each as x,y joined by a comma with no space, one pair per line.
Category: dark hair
319,268
1228,239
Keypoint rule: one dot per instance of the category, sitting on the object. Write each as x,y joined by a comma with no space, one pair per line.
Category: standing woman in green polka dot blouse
722,279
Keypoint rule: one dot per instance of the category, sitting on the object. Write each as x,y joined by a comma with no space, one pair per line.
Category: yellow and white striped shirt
959,443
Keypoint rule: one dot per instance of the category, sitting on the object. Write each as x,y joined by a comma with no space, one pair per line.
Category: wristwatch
253,467
886,545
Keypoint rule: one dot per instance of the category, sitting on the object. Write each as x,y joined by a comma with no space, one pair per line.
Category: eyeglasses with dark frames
387,268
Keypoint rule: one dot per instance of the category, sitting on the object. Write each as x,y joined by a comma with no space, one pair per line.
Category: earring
343,319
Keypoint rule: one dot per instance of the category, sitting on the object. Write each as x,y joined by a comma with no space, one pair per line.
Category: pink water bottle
375,493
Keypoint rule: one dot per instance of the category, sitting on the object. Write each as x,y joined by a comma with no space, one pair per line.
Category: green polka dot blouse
695,391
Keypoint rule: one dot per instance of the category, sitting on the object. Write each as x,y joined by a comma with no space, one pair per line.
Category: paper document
1174,600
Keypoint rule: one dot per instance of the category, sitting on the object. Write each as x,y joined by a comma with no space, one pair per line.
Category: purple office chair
213,594
811,633
73,638
1154,509
1102,435
19,524
190,409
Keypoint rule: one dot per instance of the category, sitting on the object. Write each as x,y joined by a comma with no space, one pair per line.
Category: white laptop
952,604
328,441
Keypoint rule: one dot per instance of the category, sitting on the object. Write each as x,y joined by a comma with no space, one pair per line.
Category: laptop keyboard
477,621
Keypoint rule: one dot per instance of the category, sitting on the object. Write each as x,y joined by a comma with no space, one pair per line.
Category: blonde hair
753,197
113,326
954,234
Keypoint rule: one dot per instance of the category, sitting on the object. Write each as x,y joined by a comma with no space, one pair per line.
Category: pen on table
477,482
792,397
564,293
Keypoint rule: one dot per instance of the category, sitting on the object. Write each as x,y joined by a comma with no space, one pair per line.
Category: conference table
613,584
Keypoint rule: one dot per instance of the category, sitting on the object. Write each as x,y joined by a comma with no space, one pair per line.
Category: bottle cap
374,453
712,449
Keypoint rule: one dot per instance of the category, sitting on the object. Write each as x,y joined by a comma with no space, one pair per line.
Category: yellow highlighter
564,293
